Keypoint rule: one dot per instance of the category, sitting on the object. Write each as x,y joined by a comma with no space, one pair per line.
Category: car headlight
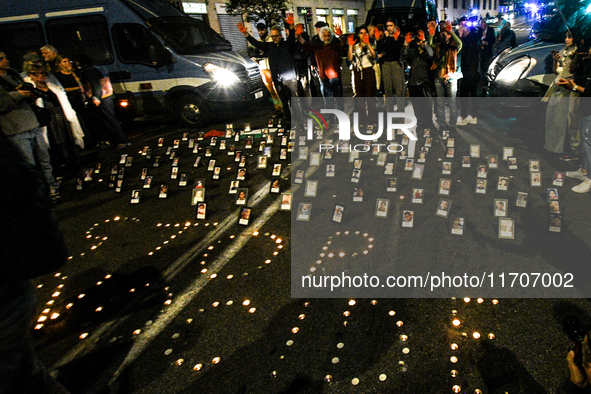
515,70
223,76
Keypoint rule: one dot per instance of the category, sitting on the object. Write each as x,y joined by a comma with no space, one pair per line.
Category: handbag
43,115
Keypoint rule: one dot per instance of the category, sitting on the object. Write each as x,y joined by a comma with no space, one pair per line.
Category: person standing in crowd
378,38
581,84
316,85
259,57
303,61
19,123
506,38
63,130
363,56
50,54
72,85
101,100
447,73
26,251
470,61
392,69
561,113
487,41
419,55
329,55
280,53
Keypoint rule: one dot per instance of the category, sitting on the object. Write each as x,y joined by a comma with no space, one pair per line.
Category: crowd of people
56,107
443,64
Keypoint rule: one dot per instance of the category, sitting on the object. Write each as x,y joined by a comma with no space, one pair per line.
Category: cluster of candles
457,324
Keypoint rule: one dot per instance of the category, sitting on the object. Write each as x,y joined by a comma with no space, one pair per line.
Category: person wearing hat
259,57
318,25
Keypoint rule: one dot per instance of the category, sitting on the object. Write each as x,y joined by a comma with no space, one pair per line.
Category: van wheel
191,110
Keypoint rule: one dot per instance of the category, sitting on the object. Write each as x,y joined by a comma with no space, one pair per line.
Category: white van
159,59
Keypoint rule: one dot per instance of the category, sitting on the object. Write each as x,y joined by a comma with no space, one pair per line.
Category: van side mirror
159,56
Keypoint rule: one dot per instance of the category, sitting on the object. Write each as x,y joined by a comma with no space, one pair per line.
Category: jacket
16,114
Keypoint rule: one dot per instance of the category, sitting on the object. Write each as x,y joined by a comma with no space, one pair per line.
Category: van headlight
515,70
223,76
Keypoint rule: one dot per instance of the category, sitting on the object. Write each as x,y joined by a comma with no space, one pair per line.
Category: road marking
88,345
198,284
228,222
189,294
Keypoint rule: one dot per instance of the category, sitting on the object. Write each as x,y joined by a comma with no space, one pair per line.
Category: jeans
585,131
332,91
34,148
446,92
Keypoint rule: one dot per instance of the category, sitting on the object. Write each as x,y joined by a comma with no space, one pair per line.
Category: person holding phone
581,84
363,55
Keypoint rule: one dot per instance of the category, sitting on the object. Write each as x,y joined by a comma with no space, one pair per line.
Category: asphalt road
154,300
173,304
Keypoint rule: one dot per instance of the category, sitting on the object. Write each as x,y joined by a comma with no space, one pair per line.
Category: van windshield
188,36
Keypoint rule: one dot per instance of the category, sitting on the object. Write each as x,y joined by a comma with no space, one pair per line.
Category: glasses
275,36
38,74
390,25
2,57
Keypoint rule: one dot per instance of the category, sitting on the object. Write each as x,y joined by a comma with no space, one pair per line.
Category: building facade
347,14
455,9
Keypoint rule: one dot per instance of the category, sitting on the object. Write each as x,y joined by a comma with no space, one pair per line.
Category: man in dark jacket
487,40
469,61
419,55
282,63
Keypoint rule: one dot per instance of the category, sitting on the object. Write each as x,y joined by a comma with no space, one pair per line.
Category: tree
270,11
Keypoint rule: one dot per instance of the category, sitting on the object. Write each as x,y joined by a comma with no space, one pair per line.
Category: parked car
527,71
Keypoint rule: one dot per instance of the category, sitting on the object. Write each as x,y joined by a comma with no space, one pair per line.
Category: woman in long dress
561,115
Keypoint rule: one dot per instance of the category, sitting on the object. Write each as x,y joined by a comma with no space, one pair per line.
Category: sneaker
472,120
461,122
584,187
578,174
567,157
